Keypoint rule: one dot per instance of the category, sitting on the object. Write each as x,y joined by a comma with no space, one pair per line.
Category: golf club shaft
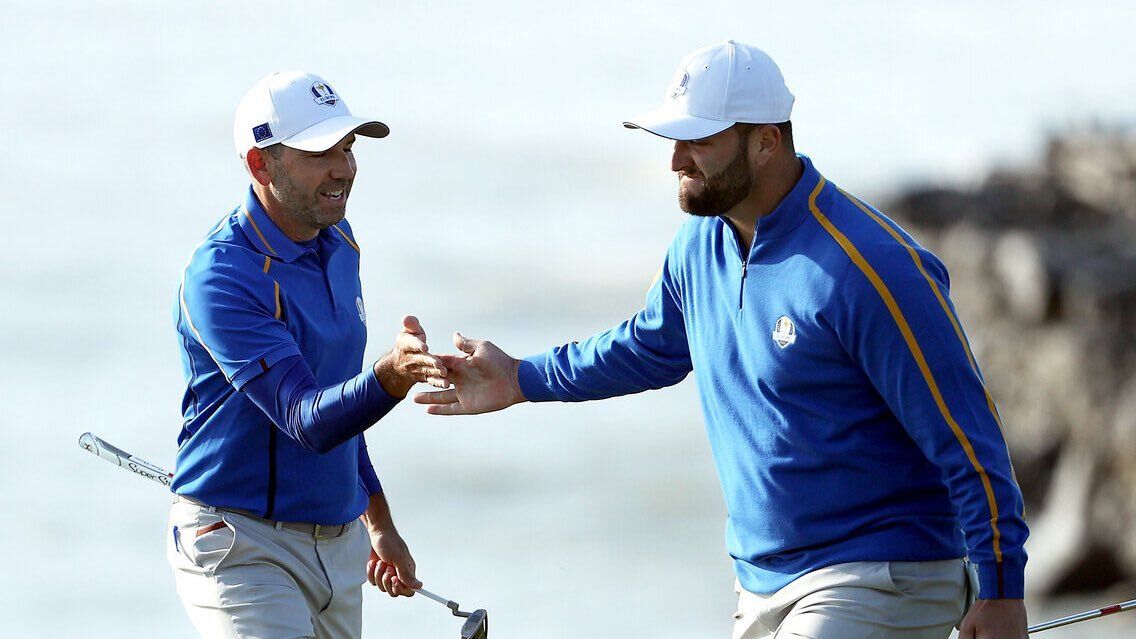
442,600
1083,616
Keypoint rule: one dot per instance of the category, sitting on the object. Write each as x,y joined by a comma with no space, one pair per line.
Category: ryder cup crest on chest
784,331
362,311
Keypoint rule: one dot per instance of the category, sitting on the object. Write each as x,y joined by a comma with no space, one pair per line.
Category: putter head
476,626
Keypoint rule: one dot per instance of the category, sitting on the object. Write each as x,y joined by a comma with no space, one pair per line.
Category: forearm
639,354
377,518
319,418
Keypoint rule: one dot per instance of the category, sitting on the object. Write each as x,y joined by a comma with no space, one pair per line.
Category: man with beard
860,455
278,506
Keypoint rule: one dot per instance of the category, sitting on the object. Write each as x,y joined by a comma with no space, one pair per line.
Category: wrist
393,383
515,378
1001,579
380,529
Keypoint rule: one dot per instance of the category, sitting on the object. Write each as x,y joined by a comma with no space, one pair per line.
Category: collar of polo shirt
270,240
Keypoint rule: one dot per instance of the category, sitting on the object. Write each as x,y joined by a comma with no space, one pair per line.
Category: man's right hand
484,378
410,362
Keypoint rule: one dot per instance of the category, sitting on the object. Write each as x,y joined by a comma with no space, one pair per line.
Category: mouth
690,181
337,196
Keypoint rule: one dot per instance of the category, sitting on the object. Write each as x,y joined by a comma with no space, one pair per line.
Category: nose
342,165
681,159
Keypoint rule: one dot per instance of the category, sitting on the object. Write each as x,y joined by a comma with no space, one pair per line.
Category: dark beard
304,206
723,190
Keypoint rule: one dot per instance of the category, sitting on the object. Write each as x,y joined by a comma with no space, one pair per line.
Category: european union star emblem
261,132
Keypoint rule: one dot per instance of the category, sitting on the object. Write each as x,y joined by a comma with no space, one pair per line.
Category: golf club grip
115,455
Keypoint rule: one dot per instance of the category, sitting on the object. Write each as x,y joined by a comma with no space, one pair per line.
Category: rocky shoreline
1043,274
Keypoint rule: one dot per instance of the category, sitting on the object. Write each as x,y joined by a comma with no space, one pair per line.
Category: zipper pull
741,288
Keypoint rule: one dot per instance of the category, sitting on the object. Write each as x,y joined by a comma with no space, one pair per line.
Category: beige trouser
245,577
861,600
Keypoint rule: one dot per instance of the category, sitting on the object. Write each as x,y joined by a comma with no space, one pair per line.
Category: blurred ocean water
508,203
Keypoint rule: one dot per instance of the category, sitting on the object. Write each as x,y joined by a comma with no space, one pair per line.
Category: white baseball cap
299,110
716,87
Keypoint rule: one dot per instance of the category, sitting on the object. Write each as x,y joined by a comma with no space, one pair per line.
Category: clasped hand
410,362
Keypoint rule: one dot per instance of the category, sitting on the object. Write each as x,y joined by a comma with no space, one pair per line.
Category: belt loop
279,525
316,531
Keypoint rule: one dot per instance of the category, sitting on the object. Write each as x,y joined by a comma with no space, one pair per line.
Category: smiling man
860,454
278,507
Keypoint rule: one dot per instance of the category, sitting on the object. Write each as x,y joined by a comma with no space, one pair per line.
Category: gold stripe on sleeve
916,352
938,295
267,263
276,294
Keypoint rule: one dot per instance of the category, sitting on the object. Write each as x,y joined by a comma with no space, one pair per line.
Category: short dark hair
786,129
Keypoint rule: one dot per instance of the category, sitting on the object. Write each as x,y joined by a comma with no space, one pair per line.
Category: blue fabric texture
319,418
847,417
322,418
250,299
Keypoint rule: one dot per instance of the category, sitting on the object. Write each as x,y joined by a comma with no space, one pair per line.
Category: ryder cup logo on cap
324,94
716,87
299,110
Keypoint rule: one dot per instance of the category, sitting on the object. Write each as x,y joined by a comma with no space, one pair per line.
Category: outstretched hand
484,379
410,362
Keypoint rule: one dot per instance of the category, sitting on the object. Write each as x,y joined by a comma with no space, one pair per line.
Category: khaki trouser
245,577
860,600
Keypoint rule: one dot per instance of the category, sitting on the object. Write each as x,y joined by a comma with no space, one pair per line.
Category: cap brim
321,136
677,126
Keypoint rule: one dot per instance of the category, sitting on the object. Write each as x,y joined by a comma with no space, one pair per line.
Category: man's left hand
391,567
994,619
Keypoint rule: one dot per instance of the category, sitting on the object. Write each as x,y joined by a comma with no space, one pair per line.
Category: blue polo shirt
251,297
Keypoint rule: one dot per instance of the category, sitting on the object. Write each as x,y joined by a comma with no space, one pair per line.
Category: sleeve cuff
385,399
531,378
372,485
1001,580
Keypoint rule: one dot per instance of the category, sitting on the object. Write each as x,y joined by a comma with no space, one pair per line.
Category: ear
256,161
768,138
764,143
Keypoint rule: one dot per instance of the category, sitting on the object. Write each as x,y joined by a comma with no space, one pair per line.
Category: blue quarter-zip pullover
848,418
